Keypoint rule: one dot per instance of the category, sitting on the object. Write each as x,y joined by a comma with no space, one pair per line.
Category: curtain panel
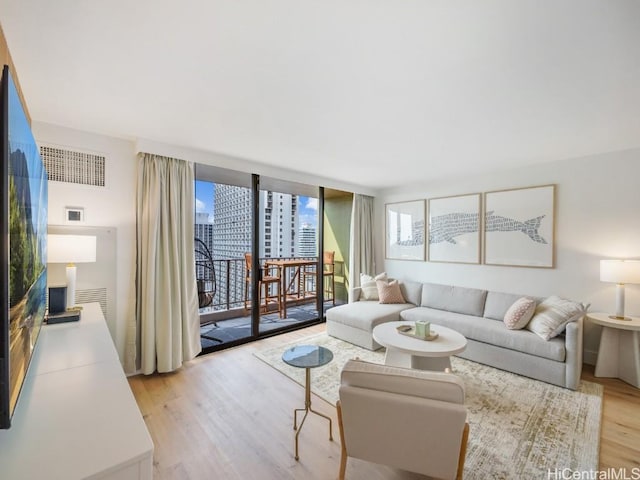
167,323
362,258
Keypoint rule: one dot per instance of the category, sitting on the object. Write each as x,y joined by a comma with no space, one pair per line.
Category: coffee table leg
396,358
307,408
436,364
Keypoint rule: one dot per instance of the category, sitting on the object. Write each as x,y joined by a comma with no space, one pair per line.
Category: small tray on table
409,331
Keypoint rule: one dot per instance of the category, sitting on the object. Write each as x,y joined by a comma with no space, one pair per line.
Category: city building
203,229
278,224
307,245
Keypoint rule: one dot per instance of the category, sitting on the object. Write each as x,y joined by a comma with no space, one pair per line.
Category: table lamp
71,249
620,272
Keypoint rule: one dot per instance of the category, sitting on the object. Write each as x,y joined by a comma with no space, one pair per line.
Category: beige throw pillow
553,314
389,292
369,287
520,313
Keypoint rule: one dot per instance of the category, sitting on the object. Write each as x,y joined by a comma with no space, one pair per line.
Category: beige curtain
167,320
362,258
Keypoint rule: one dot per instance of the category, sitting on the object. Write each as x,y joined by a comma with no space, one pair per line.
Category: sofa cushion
498,303
389,292
469,301
411,291
552,316
520,313
365,315
489,331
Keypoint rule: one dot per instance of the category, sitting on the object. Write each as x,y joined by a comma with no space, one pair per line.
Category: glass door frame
256,266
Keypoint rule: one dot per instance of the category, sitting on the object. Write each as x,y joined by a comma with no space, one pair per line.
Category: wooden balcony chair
268,276
328,277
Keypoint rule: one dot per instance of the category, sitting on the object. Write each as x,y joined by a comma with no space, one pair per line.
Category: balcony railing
230,284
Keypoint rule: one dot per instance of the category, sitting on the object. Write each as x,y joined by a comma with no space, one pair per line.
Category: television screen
24,249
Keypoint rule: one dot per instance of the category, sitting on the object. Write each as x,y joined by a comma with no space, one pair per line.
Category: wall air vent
71,166
91,295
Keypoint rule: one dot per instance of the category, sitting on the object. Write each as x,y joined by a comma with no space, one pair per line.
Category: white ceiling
378,93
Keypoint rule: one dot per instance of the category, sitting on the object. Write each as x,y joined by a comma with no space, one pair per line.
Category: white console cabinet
76,417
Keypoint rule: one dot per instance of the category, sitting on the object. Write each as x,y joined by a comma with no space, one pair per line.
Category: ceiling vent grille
73,167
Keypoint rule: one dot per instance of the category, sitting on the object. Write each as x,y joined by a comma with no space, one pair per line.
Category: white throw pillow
369,287
553,314
520,313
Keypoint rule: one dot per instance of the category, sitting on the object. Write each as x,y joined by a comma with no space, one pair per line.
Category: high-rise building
231,234
232,222
307,245
203,229
278,224
231,240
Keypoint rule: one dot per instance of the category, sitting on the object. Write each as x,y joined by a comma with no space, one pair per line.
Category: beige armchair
414,420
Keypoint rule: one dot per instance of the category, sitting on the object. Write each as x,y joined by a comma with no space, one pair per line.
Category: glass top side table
307,357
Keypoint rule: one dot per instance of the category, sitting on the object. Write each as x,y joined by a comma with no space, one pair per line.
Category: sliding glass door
258,255
223,227
288,246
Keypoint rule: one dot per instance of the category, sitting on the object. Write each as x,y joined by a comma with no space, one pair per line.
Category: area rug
519,427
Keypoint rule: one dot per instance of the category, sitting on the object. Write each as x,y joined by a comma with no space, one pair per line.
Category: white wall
111,206
597,217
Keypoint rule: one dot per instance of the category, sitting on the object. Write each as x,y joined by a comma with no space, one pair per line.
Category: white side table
619,352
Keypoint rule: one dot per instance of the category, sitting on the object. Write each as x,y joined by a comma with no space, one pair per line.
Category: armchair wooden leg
463,451
343,450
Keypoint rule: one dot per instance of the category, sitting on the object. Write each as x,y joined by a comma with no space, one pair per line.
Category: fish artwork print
417,235
444,228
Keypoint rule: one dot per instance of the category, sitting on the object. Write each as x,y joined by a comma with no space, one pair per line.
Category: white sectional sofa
476,314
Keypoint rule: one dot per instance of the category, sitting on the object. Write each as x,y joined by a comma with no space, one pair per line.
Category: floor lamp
71,249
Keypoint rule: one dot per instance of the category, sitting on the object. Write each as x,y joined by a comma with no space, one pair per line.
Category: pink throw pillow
389,292
520,313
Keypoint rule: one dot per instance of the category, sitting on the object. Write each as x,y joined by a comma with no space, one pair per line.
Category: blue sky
307,206
204,197
308,210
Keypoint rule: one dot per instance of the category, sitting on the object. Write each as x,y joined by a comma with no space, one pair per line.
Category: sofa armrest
573,345
354,294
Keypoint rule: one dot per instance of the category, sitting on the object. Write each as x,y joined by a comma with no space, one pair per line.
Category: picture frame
519,227
454,229
405,230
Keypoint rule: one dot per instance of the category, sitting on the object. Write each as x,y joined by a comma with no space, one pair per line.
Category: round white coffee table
404,351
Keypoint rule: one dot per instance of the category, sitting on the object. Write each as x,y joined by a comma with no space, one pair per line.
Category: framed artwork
519,227
404,239
454,229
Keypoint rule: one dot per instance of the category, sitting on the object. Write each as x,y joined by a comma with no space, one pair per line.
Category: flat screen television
23,242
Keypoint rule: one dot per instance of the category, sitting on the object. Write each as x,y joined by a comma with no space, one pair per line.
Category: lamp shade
71,249
620,271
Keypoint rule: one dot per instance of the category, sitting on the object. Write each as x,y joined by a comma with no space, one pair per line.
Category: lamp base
616,317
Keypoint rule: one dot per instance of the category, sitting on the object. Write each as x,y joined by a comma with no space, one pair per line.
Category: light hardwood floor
228,415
